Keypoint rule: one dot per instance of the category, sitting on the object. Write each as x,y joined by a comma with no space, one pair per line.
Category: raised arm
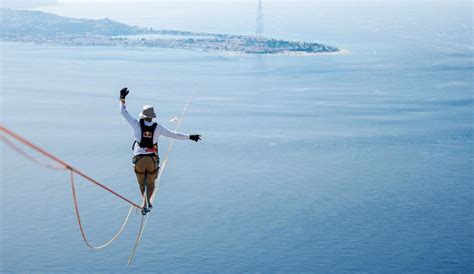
123,109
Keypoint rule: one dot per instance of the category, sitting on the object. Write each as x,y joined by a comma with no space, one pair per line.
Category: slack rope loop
157,184
66,165
81,228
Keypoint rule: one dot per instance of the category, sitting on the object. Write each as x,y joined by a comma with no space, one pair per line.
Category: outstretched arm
176,135
171,134
123,109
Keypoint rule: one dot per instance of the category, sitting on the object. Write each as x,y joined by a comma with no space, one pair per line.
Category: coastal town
45,28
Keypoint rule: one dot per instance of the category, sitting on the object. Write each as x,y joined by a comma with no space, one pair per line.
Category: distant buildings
40,27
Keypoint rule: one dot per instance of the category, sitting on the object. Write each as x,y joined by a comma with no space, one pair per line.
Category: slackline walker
145,147
146,179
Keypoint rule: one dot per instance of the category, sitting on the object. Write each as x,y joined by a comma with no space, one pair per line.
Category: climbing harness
137,158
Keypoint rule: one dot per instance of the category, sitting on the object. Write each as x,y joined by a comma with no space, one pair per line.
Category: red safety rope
76,207
66,165
29,157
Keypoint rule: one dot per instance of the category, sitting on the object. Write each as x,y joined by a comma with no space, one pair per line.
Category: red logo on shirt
147,134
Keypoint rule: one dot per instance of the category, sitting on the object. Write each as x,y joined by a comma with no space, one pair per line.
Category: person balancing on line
145,147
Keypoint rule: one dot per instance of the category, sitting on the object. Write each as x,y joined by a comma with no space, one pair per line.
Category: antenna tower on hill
259,29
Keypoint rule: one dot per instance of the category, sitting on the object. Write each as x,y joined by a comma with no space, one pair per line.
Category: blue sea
359,162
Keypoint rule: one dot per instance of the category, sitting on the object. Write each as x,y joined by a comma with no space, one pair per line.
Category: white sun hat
147,112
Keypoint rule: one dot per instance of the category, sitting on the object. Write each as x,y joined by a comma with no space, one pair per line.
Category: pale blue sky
9,3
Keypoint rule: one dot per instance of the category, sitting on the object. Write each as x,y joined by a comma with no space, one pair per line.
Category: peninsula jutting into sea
46,28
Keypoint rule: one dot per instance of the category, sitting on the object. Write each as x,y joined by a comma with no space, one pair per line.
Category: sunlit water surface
358,162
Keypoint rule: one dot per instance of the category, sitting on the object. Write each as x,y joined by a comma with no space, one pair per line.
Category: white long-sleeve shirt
137,132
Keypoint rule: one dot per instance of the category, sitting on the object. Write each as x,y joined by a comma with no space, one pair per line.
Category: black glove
195,137
123,93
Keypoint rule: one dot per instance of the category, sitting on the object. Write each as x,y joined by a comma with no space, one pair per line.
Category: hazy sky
36,3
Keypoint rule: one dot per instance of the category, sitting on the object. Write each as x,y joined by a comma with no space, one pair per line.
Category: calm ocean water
352,163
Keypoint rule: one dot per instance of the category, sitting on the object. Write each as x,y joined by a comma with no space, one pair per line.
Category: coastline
211,51
293,53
